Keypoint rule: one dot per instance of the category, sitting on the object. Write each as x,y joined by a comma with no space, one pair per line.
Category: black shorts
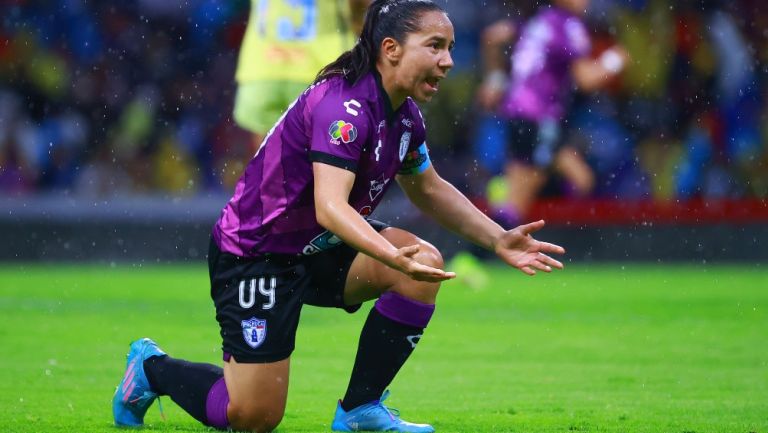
534,143
258,300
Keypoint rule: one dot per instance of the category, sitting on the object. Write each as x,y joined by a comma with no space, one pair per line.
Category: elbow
327,214
322,216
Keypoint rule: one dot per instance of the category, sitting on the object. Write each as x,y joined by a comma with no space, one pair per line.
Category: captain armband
416,161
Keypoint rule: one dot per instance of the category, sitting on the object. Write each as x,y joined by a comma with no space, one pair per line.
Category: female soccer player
550,56
295,233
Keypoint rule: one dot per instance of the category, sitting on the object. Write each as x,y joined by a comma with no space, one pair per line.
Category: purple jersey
541,65
333,122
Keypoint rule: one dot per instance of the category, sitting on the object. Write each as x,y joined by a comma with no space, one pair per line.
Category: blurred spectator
132,91
114,98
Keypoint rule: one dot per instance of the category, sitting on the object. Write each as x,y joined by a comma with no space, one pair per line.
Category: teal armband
416,161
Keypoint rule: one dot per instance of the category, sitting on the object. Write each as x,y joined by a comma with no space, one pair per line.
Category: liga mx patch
341,130
254,331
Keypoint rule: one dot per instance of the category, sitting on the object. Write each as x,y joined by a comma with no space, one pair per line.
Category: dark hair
384,18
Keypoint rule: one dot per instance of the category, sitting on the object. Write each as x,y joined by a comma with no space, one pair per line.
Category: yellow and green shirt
293,39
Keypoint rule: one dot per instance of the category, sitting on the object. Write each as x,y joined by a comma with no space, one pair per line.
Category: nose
446,61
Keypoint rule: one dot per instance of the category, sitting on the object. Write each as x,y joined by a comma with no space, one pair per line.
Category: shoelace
390,411
160,406
147,397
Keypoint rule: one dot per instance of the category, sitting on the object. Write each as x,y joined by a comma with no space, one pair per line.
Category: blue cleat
133,396
374,416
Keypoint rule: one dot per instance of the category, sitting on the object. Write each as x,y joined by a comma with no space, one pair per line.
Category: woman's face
426,57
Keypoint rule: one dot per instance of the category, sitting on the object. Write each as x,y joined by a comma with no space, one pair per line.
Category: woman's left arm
449,207
437,198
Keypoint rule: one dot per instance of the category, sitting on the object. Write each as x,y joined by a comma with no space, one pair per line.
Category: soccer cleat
374,416
133,396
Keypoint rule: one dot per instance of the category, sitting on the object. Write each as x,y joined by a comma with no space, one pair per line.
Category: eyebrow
443,40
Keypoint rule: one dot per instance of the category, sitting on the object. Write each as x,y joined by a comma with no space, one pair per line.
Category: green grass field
609,348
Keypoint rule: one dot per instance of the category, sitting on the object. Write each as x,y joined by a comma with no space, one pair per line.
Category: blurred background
117,141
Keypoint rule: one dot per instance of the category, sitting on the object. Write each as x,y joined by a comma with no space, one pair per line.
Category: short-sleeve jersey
540,82
292,40
349,126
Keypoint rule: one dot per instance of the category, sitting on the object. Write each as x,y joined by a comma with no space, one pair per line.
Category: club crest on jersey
405,139
254,331
342,131
377,186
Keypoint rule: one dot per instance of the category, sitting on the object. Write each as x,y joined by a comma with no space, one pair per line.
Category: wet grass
609,348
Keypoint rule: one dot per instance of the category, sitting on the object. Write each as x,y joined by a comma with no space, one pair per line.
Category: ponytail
384,18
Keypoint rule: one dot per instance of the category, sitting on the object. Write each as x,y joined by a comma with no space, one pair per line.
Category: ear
391,50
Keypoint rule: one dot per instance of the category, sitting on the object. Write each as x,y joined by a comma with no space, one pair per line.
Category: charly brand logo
254,331
377,186
405,139
341,130
352,106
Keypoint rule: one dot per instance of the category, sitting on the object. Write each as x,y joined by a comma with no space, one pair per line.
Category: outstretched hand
517,248
409,265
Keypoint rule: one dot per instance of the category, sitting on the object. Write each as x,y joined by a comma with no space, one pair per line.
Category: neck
389,83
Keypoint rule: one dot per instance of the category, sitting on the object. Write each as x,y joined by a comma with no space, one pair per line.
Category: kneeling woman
295,232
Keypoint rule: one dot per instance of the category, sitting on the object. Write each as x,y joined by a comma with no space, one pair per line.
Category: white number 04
251,296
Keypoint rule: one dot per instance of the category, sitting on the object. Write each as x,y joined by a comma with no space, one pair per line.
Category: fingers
528,271
443,277
419,271
546,247
545,259
434,278
410,250
532,227
540,266
430,274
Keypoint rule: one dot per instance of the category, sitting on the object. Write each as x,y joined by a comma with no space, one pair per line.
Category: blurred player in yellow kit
286,43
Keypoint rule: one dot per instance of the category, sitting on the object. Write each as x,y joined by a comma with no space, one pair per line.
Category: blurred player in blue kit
295,232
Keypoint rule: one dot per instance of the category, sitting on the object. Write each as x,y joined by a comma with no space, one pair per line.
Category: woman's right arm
593,74
333,212
495,40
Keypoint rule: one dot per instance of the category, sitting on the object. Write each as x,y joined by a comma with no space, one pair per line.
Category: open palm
518,248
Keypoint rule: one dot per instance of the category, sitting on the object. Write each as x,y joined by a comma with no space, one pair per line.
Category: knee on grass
256,419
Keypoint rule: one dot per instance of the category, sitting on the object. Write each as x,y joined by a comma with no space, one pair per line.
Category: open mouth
433,82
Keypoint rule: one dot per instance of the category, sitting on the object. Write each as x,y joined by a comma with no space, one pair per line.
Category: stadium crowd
103,99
